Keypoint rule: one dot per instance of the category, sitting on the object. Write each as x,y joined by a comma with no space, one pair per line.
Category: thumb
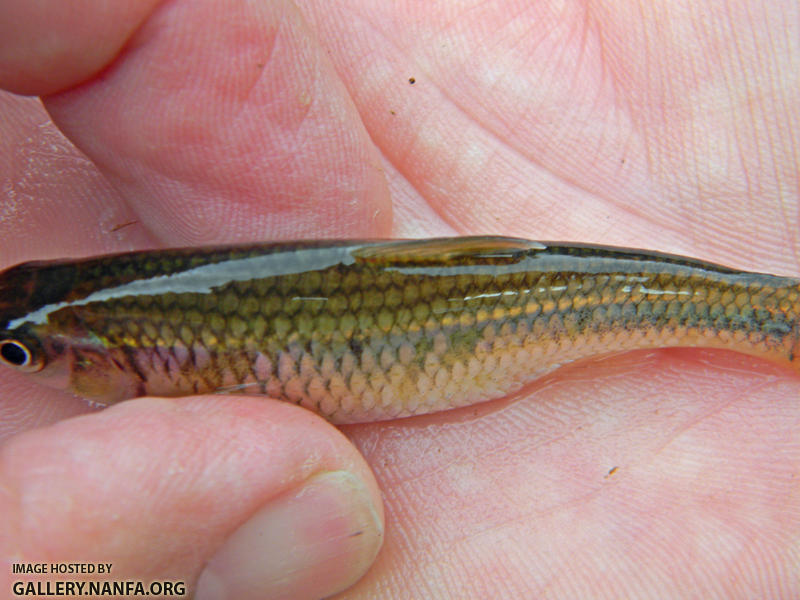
227,497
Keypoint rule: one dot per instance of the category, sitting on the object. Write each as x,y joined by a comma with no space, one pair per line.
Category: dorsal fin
444,250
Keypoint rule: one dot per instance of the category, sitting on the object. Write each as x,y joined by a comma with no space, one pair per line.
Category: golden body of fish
370,330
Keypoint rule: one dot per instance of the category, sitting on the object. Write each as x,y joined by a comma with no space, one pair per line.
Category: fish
369,330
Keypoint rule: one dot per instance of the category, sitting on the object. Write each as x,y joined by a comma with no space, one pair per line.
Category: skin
666,473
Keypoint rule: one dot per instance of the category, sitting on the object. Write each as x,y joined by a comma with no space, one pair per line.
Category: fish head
24,346
68,363
43,334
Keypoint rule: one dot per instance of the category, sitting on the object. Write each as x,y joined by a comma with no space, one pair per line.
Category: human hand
659,473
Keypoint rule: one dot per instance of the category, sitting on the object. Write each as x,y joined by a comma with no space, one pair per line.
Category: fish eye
16,354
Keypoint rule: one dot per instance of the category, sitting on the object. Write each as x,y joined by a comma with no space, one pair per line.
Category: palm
576,124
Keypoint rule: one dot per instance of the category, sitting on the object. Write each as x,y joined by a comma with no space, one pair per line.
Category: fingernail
311,542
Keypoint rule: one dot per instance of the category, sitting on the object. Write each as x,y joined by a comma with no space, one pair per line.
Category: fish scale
371,330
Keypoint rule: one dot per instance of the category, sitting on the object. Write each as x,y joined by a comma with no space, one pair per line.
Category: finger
24,405
226,121
594,125
48,45
691,463
55,204
251,498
